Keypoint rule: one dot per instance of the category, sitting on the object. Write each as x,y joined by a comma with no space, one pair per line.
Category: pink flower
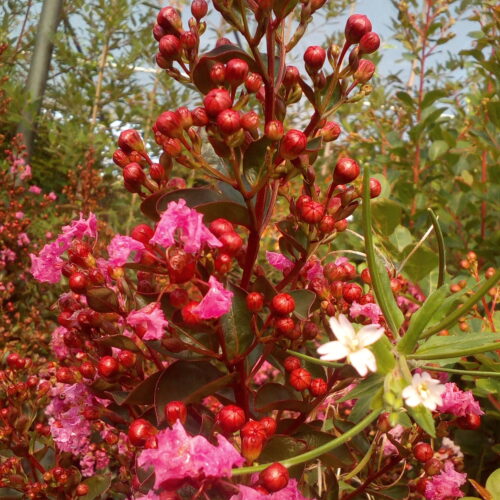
19,215
371,311
396,433
446,484
279,261
216,302
23,239
59,348
52,196
26,173
458,402
315,271
290,492
341,260
46,267
192,232
180,456
35,189
149,319
120,248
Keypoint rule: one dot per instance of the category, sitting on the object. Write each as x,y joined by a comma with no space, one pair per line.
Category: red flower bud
181,265
346,170
470,422
127,358
142,233
352,292
87,369
375,187
231,242
65,375
217,100
433,466
314,57
162,61
130,140
423,452
157,172
365,276
369,43
302,200
284,325
327,224
107,366
250,121
223,263
175,410
274,130
82,490
341,225
185,117
199,9
218,73
229,121
293,144
357,25
251,447
169,46
254,428
78,283
188,316
169,18
231,418
330,131
269,425
282,304
255,301
169,124
178,298
120,158
365,71
140,431
223,41
312,212
291,76
158,32
300,379
133,174
253,82
318,387
310,330
188,40
236,71
275,477
200,118
220,226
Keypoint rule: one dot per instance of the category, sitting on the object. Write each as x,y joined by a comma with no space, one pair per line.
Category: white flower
424,390
352,345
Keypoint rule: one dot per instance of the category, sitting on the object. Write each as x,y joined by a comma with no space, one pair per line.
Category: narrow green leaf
382,349
441,247
380,280
420,319
423,417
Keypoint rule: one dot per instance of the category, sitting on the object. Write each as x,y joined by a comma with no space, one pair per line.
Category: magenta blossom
216,302
19,215
189,223
120,248
458,402
150,320
59,348
35,189
446,484
370,311
23,239
179,456
290,492
315,270
279,261
46,267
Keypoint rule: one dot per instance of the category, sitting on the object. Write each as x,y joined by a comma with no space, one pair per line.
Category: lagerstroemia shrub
186,368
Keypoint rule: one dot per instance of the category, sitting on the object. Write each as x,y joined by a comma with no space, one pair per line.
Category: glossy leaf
237,324
493,484
148,206
367,386
282,447
438,148
119,341
233,212
193,197
102,299
143,394
304,299
254,159
98,485
277,397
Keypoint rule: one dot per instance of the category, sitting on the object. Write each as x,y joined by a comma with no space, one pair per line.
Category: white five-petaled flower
424,390
352,345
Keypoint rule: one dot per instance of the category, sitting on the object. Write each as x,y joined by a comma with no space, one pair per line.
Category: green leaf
277,397
432,96
119,341
401,238
98,485
304,299
283,7
421,262
282,447
185,381
456,346
366,387
493,484
142,394
387,215
193,197
420,319
237,324
254,159
102,299
233,212
382,349
437,149
405,98
423,417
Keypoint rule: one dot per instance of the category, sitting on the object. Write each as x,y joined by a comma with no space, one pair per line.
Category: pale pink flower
52,196
352,345
341,260
23,239
290,492
35,189
26,173
188,224
19,215
458,402
216,302
446,484
120,248
179,456
59,348
396,433
315,271
7,255
370,311
424,390
279,261
149,319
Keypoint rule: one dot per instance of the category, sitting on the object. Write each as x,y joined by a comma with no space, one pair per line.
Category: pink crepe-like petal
279,261
216,302
150,318
120,248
